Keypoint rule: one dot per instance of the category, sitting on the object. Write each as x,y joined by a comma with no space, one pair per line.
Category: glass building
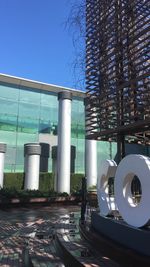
29,113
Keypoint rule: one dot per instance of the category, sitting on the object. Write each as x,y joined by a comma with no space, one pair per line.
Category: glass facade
31,115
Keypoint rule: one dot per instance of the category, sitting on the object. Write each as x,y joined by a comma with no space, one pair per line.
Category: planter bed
9,202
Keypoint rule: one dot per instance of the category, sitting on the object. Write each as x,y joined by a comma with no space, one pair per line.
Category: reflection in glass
30,96
29,115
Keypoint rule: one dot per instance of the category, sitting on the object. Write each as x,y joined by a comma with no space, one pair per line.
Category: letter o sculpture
131,165
106,203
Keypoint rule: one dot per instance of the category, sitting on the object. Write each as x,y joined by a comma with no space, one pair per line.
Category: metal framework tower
118,70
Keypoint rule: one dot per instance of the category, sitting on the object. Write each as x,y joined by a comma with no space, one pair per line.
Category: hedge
46,181
76,182
14,180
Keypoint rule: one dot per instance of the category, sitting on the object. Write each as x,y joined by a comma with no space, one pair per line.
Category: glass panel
23,138
28,125
77,122
49,115
10,158
114,149
8,118
45,113
77,131
8,107
75,110
47,99
9,168
79,161
8,122
9,92
104,151
50,165
54,115
20,159
19,168
45,127
8,137
29,110
10,155
30,96
20,155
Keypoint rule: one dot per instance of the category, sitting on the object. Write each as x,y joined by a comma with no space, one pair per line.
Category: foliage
13,186
16,180
76,182
76,24
13,180
8,193
46,182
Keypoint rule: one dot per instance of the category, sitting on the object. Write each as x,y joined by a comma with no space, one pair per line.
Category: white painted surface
32,164
90,152
64,141
107,204
135,215
91,162
2,156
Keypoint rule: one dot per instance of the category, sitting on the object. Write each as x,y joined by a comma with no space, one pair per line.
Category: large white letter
135,215
106,203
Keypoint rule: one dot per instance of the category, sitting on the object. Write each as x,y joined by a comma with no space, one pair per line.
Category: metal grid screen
118,69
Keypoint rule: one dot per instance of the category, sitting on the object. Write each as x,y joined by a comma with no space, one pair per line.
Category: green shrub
76,182
46,182
15,182
8,193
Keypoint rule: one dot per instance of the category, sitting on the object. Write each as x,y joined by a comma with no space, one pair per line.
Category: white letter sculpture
106,203
131,165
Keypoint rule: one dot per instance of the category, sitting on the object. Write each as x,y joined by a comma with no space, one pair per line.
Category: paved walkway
33,237
27,236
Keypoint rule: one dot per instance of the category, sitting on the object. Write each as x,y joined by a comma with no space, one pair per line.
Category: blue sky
34,41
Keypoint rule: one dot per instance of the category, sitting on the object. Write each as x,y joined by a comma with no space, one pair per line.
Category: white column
32,153
90,152
2,157
91,162
64,141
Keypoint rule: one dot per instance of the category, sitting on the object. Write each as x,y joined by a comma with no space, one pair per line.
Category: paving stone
29,236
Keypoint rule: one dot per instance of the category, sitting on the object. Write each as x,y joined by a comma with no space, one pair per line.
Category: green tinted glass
30,96
5,92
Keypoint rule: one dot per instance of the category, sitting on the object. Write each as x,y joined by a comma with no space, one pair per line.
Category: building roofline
38,85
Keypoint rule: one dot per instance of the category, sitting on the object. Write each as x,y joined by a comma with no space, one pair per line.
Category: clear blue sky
34,42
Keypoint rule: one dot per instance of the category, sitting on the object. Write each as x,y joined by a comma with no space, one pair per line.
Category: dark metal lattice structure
118,70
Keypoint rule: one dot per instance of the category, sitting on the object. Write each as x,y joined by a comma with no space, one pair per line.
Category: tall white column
91,162
54,163
64,141
32,153
90,152
2,158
